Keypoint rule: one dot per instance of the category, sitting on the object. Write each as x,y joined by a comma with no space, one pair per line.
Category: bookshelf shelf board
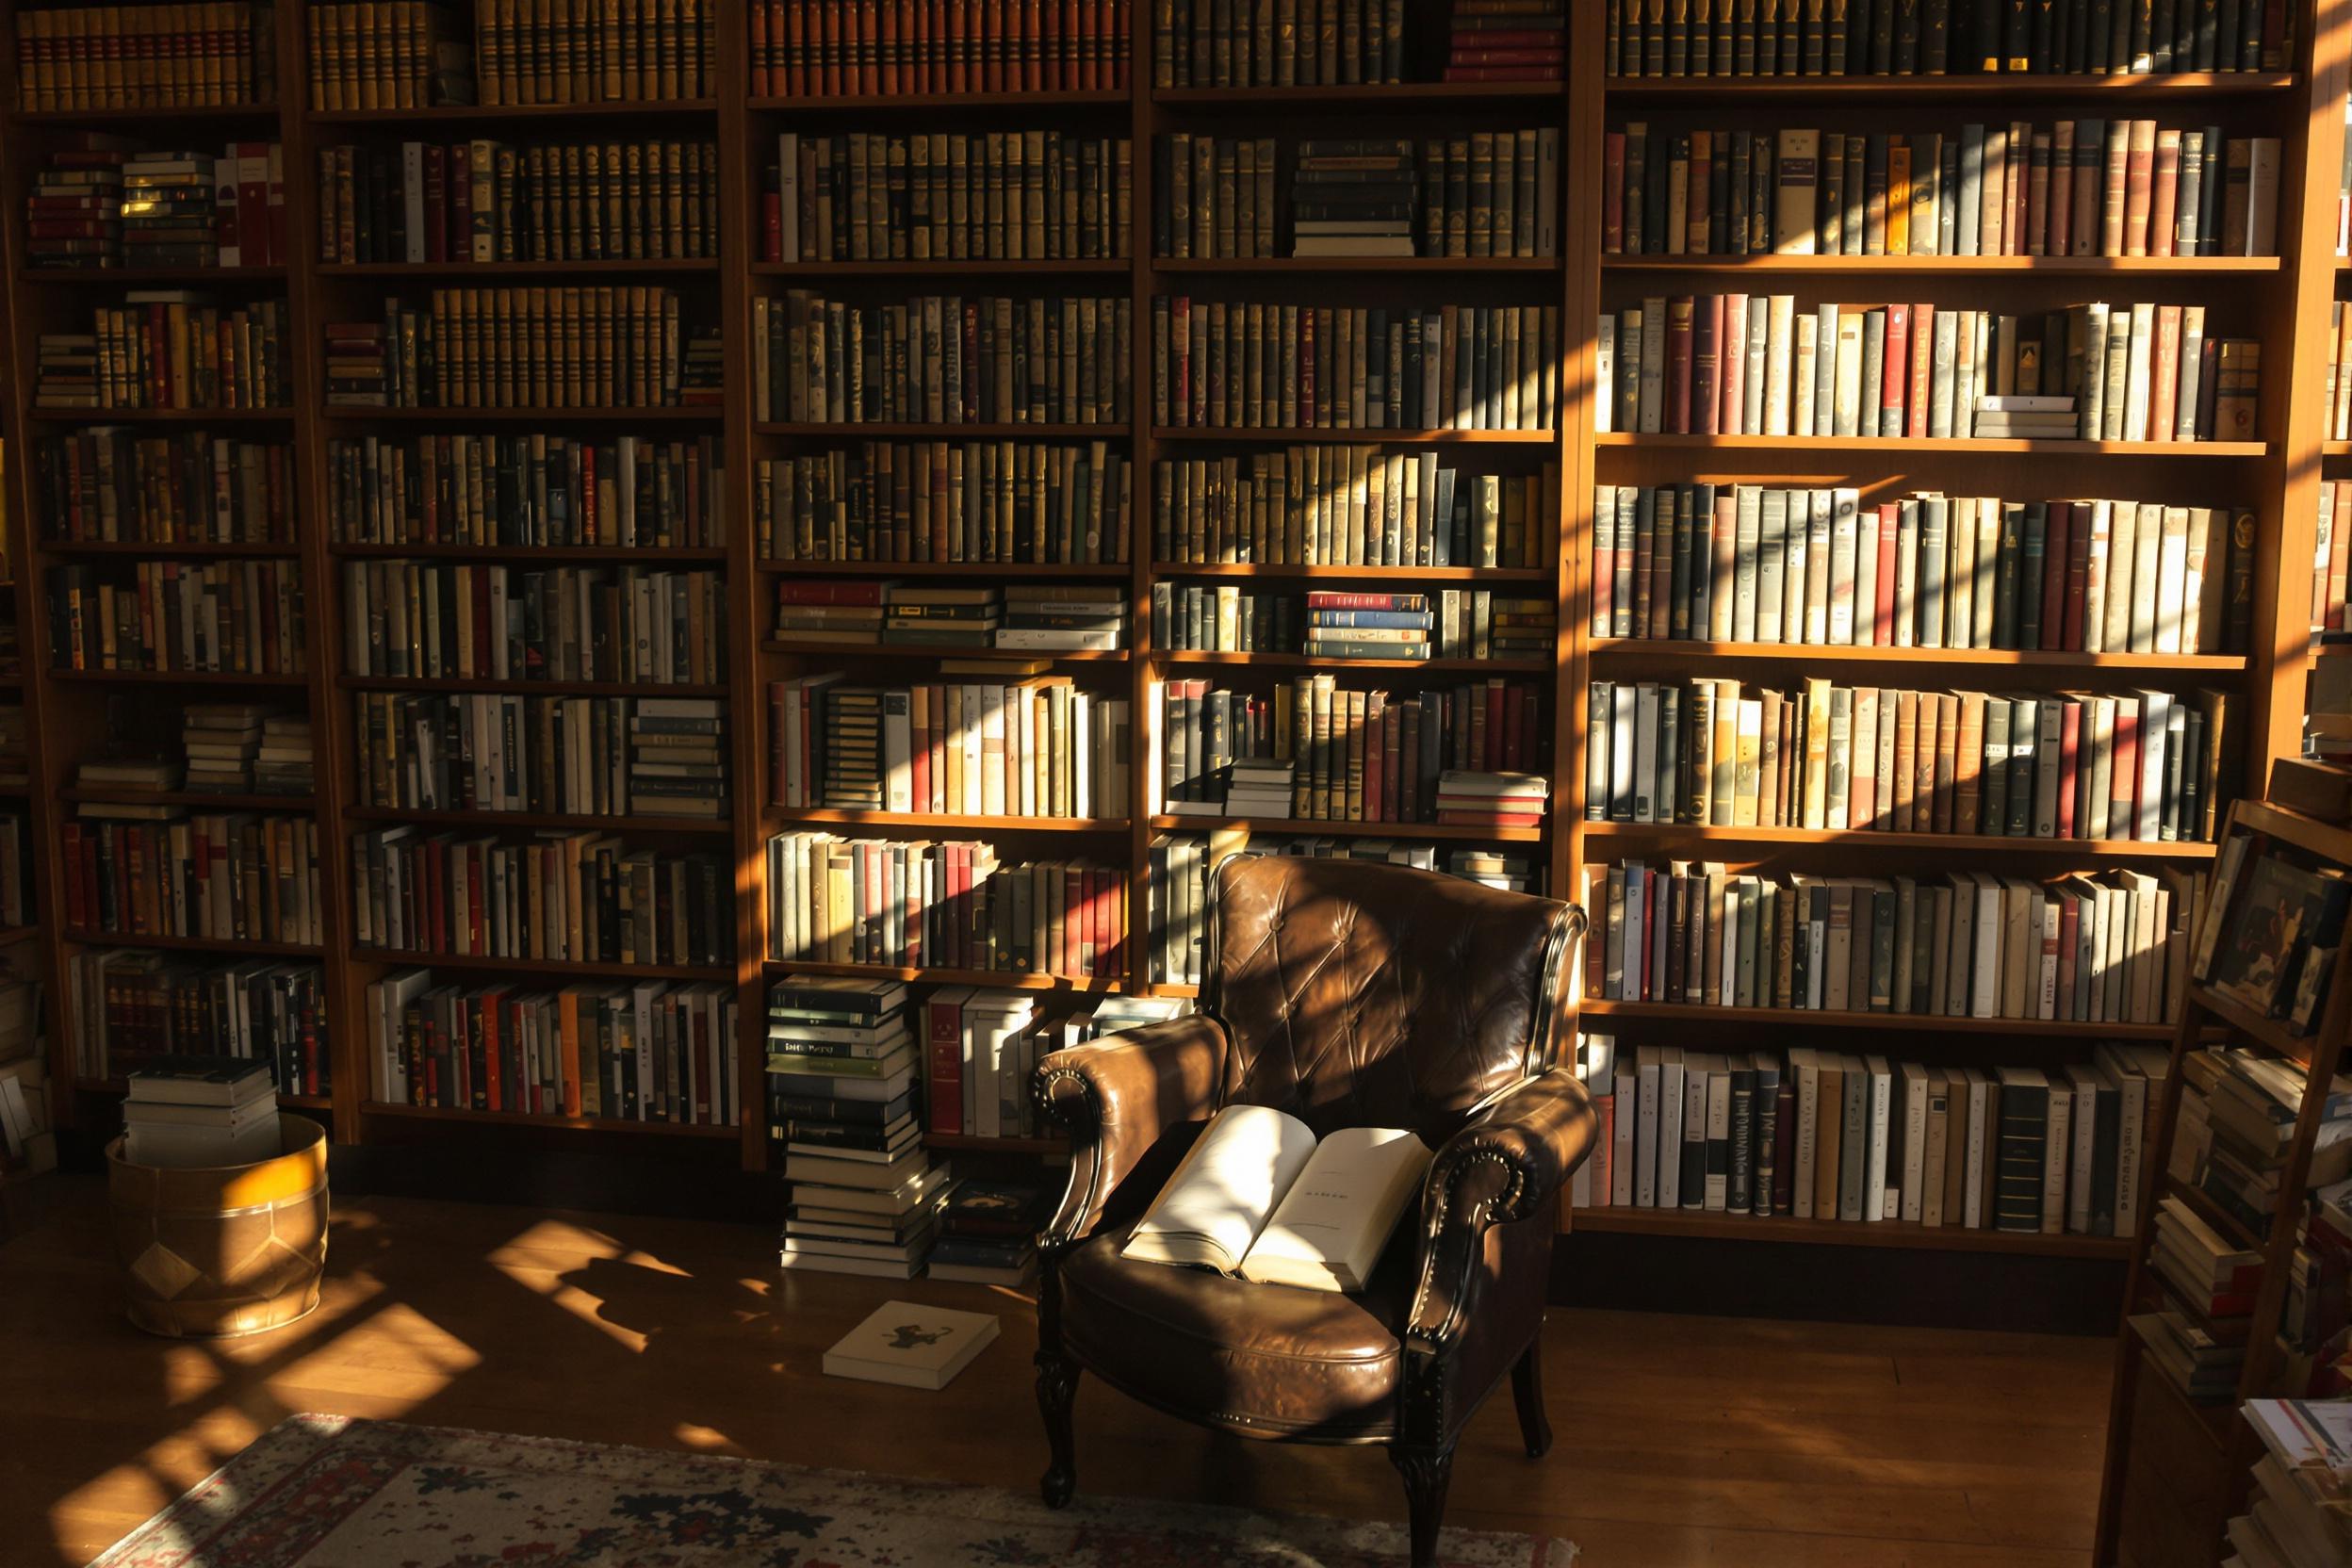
1308,828
2183,84
135,277
523,687
2083,850
1172,987
1814,1018
533,821
1699,1225
14,936
2270,1033
2335,449
194,945
1382,266
659,413
626,267
1119,572
975,1143
1320,662
161,416
1973,447
544,1118
1325,435
174,551
1944,266
179,678
1355,574
931,103
203,800
1371,95
986,267
306,1101
943,432
2332,650
1019,980
405,958
933,650
817,816
603,554
1680,652
254,114
464,114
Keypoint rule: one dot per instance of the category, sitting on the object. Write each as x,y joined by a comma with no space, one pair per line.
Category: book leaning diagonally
1259,1199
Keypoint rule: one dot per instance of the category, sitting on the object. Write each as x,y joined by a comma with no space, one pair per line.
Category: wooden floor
1681,1441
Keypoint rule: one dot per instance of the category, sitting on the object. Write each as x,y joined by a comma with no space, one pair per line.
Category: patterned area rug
327,1492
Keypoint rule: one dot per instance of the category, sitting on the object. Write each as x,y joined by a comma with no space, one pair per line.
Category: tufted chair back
1362,994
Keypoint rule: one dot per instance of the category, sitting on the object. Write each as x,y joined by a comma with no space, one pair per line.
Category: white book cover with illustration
911,1345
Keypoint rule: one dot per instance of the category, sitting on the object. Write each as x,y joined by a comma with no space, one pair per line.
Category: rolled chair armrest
1120,1098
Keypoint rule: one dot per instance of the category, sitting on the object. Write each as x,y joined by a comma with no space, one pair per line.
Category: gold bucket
228,1249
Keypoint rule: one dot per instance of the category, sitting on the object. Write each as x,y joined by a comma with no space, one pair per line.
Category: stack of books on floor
193,1112
842,1100
1064,616
1470,798
284,763
1508,41
941,616
989,1233
677,757
222,740
2300,1506
1368,626
1353,198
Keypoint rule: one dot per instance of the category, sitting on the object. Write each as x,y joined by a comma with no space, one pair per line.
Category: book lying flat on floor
1259,1199
912,1345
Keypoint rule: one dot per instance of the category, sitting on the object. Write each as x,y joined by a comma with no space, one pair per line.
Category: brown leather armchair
1347,993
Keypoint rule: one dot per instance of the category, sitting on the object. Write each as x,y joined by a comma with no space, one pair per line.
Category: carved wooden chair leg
1425,1471
1526,1390
1057,1394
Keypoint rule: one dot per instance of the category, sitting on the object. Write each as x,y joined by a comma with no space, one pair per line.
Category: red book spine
2125,773
1923,371
1731,358
944,1032
760,86
869,25
795,73
891,48
1680,312
1032,46
2069,757
2078,576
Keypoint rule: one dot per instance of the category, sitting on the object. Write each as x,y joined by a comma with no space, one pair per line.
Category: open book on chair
1259,1199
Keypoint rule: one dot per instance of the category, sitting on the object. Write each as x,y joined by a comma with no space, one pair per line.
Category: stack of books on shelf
284,765
1816,1134
1466,623
1343,625
1254,786
981,1048
678,763
2141,765
220,741
1348,506
1064,617
363,58
145,775
2106,948
906,47
2237,1119
842,1070
126,1005
1509,40
170,347
168,216
942,502
186,1112
988,1233
73,216
147,56
1359,198
961,617
1470,798
1758,365
2300,1512
649,1051
1360,41
2208,1282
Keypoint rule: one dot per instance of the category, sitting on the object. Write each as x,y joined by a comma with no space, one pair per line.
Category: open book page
1330,1228
1221,1197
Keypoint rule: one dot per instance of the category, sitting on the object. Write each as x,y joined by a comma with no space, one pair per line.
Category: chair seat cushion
1267,1361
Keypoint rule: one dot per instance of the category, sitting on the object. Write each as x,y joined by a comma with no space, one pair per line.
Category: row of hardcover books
2063,1149
2110,948
1038,747
1348,506
402,53
1756,365
940,359
444,751
1044,616
1933,37
483,201
1180,865
2141,765
1269,43
163,208
560,347
628,492
113,484
1009,195
169,348
1236,365
222,617
577,896
835,48
2332,556
1452,623
146,57
2079,188
438,618
1749,563
997,502
129,1006
1313,752
950,904
132,871
388,55
649,1052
